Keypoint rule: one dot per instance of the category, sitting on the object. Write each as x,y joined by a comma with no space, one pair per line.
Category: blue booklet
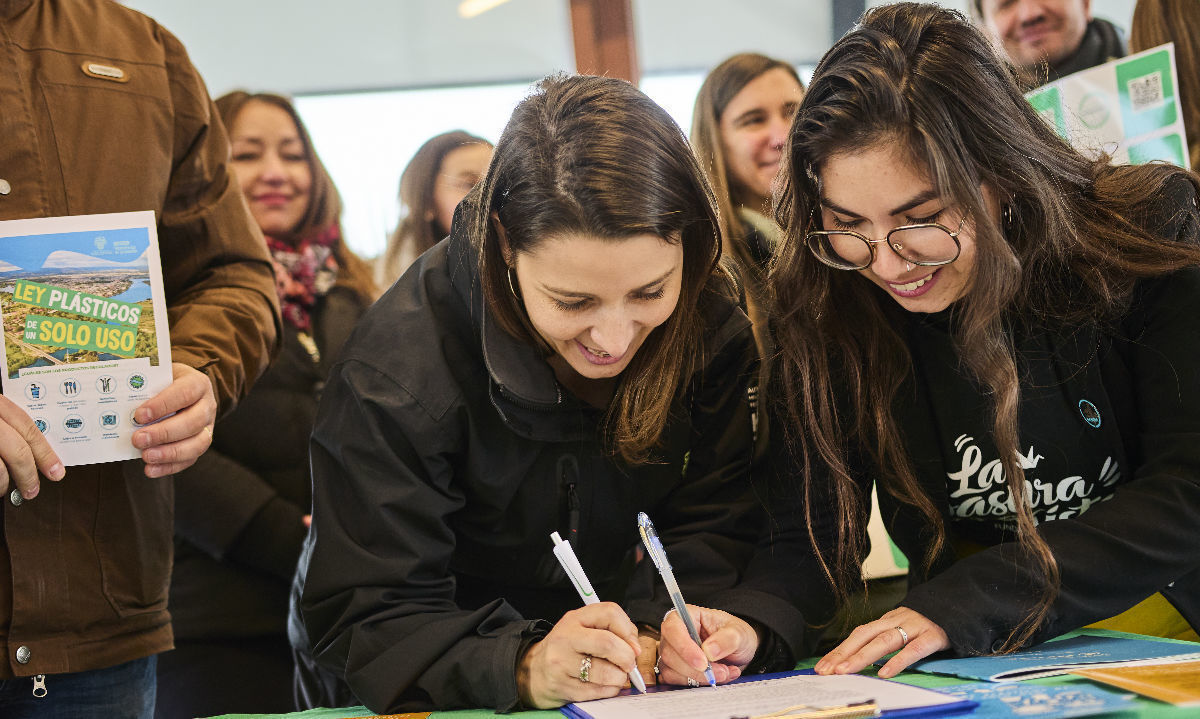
998,701
1060,657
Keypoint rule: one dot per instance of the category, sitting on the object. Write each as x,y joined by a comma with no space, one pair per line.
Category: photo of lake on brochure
76,314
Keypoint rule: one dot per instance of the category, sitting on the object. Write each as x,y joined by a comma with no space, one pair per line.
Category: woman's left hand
729,643
900,629
189,407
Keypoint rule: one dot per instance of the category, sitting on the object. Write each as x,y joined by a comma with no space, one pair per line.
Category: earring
1008,216
512,285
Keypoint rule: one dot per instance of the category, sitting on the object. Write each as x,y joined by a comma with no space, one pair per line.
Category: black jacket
239,508
445,453
1139,376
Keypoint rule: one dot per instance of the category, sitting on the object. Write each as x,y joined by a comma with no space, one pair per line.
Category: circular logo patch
1090,414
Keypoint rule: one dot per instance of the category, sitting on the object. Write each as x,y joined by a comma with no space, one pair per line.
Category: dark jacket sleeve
710,522
378,598
1120,551
220,287
231,512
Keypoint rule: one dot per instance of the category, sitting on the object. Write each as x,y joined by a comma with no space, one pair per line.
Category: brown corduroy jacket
101,111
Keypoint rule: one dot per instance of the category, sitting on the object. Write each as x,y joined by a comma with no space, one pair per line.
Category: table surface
1142,708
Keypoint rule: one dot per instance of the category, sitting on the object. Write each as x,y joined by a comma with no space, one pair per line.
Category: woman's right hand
550,673
24,452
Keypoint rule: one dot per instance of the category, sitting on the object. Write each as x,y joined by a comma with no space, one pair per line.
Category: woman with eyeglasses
999,333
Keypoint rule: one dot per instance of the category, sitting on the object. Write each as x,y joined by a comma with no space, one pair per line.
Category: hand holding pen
696,640
588,654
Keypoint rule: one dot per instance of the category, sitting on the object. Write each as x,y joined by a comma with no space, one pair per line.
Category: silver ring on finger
692,682
903,636
585,669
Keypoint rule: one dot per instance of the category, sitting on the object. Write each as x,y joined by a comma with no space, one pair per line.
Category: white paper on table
763,697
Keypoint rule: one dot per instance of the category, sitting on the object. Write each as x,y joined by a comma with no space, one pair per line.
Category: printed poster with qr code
1128,108
85,328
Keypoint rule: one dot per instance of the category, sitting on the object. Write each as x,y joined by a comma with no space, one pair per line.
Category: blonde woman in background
1157,22
442,172
740,124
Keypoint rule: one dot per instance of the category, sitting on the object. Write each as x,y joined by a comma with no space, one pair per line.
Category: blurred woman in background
739,126
242,510
438,177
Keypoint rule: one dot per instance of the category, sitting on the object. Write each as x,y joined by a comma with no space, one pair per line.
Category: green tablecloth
1143,708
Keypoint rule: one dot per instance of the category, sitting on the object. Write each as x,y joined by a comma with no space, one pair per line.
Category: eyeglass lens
921,245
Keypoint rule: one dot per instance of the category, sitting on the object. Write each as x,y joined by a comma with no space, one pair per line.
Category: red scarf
304,272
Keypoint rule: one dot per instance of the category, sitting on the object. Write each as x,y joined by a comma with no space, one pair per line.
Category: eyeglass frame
871,243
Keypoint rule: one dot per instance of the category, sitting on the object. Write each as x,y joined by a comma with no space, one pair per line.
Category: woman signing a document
997,331
572,354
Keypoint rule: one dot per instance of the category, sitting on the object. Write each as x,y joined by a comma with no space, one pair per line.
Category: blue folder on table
1060,657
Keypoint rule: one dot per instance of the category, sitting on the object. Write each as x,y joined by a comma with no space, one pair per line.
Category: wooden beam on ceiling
604,38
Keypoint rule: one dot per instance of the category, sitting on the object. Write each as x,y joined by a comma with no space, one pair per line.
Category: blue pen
658,555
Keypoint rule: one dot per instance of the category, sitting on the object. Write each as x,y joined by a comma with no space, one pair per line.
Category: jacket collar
9,8
517,368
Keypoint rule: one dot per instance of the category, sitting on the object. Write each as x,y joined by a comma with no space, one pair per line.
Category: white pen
658,555
570,564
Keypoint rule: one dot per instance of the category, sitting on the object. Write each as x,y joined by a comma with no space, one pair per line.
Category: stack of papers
772,693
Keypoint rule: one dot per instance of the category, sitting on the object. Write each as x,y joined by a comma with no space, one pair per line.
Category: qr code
1146,92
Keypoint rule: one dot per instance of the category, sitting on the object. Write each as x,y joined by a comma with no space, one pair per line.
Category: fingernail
841,668
56,472
152,456
31,492
885,673
141,440
142,415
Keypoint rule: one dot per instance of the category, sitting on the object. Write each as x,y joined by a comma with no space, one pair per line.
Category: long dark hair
417,231
595,156
927,83
324,205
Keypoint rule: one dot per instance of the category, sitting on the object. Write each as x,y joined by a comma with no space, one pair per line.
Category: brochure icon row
74,423
70,387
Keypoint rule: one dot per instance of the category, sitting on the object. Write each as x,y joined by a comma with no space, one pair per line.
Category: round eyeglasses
927,244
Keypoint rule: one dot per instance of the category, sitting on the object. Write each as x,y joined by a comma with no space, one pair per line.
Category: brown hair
720,87
324,205
415,234
925,81
1157,22
593,155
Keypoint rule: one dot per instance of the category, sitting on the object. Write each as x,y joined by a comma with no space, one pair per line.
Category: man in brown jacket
101,111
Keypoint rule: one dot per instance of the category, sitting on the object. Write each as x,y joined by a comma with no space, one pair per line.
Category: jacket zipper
568,476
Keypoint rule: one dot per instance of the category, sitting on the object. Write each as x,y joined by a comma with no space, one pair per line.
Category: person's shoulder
127,34
1176,214
419,334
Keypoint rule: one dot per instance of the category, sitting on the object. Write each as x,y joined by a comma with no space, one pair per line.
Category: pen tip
712,680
